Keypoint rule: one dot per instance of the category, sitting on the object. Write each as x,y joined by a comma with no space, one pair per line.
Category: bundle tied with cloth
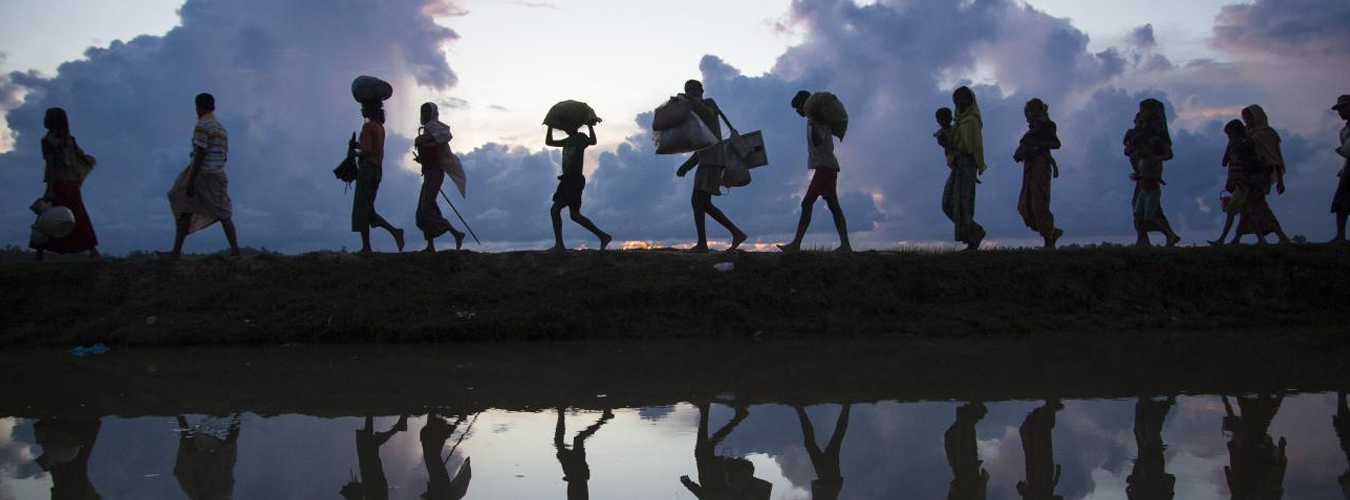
571,115
685,125
369,92
825,107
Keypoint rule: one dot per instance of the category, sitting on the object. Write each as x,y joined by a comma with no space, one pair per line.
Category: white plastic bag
687,137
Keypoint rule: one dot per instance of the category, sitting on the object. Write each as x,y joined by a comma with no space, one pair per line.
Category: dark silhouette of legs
1340,228
703,206
574,212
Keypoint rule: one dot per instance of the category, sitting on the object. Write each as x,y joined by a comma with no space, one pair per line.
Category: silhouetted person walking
573,460
829,478
66,167
1038,167
1257,218
572,183
439,484
67,444
1240,160
1340,203
1256,463
199,196
204,466
1148,145
369,152
1341,421
722,478
970,481
1038,445
824,166
372,484
967,164
433,148
1149,480
708,177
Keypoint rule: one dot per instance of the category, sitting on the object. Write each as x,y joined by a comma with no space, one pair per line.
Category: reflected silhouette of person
1256,464
372,484
1149,480
573,460
1341,421
829,478
440,486
1038,445
970,481
204,466
67,444
723,478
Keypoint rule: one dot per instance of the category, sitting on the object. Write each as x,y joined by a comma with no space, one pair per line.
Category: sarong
1034,202
210,202
429,218
364,216
958,200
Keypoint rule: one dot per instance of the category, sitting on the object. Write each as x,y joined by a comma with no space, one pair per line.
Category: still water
859,420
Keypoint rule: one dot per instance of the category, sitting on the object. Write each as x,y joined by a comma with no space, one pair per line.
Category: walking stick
461,217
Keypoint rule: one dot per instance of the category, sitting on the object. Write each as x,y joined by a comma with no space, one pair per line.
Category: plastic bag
368,88
670,114
750,149
825,107
691,135
568,115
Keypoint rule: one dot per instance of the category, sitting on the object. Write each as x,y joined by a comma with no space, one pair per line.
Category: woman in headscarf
433,152
66,168
1038,167
958,196
1148,145
1257,218
1240,159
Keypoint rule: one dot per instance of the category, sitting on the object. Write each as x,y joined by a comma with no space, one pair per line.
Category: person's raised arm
687,165
548,140
590,131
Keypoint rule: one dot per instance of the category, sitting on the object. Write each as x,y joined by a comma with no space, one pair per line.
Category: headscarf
968,137
1150,129
1265,139
1234,127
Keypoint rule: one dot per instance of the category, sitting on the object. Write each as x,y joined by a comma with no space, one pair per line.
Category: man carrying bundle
572,182
820,159
708,177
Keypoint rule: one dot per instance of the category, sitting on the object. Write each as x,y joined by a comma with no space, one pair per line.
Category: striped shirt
210,136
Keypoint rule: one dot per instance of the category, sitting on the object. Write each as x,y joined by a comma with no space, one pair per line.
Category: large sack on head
671,113
826,108
568,115
368,88
689,136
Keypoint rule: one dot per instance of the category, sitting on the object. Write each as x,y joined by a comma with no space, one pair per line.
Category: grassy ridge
451,296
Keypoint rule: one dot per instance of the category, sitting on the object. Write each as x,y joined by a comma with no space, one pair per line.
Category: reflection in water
576,472
205,463
969,480
1042,471
372,485
1341,420
439,484
1256,465
723,478
829,478
67,444
1149,480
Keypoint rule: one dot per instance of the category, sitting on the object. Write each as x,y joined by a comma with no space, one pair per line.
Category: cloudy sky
126,70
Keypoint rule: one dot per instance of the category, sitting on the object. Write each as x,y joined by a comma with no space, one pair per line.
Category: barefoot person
1258,219
1148,145
433,148
1340,203
199,196
571,184
369,151
1240,160
708,177
66,168
824,165
967,143
1038,167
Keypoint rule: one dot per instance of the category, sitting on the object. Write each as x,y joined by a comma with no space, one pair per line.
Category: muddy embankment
463,296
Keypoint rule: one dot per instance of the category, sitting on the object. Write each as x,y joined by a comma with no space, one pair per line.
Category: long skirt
1148,212
1034,203
82,238
364,216
210,203
429,218
958,200
1256,216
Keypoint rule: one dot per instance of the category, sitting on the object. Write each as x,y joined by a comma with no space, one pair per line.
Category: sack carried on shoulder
691,135
670,114
825,107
